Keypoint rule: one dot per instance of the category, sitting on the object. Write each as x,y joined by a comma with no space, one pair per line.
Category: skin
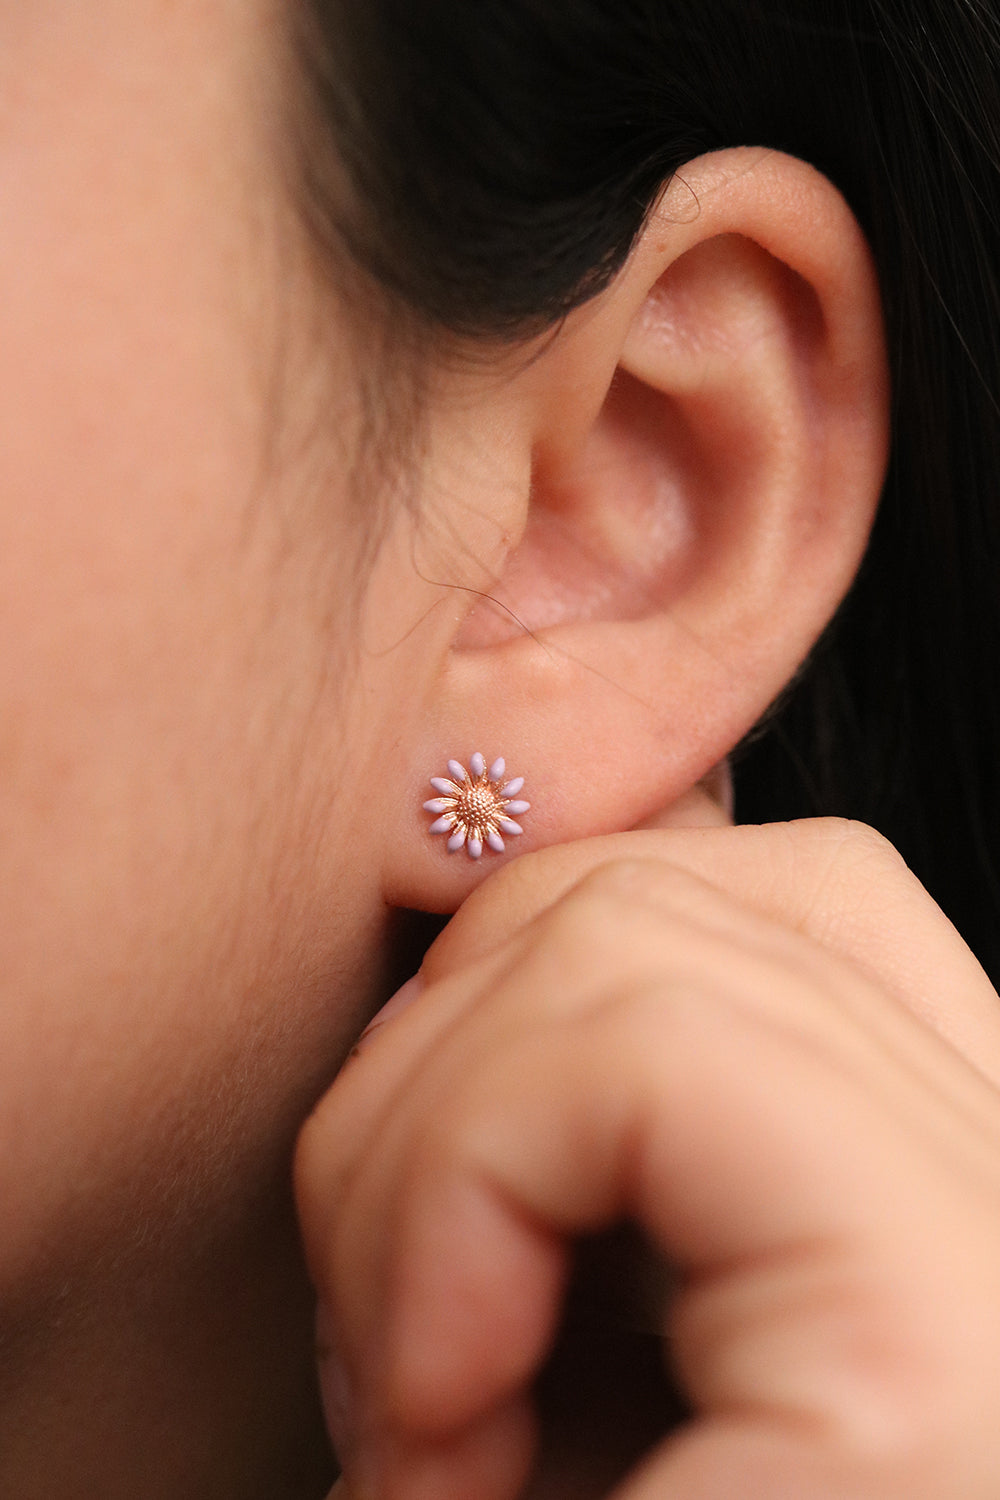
703,1030
241,622
185,951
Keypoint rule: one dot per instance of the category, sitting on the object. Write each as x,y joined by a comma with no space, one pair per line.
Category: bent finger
745,1153
837,882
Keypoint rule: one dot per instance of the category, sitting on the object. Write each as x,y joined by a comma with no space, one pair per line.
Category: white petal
495,842
475,848
477,764
509,826
439,804
497,769
443,825
457,840
518,807
457,772
513,787
450,788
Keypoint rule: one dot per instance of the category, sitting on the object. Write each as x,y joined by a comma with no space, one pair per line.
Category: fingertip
490,1459
477,1290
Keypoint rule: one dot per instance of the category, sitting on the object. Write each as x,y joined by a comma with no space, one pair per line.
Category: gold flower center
479,806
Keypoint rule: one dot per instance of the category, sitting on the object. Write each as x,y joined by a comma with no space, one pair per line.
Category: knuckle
618,911
584,913
636,883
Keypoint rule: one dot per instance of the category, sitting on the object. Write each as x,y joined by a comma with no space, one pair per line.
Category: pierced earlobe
474,807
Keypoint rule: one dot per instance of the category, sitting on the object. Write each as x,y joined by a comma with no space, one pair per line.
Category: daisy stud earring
476,807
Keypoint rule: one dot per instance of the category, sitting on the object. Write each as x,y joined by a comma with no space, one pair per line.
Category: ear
687,496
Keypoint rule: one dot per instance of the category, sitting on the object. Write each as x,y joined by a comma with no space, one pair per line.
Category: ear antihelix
476,807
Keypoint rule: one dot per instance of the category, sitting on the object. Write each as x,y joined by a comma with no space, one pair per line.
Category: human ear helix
476,807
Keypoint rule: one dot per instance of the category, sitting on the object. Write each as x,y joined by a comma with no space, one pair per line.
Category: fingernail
400,1001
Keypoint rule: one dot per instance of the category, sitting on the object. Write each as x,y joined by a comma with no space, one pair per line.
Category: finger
776,1460
760,1163
490,1459
617,926
587,949
839,883
608,937
626,923
429,1038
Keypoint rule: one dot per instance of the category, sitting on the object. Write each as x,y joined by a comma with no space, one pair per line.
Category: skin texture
705,1031
248,604
179,967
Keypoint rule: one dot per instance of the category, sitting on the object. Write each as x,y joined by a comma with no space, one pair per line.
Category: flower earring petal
474,806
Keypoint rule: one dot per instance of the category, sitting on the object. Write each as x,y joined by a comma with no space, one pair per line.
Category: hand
730,1037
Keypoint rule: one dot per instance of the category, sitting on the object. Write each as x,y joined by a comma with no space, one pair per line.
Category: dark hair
490,163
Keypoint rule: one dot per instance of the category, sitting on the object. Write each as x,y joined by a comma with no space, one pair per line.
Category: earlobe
708,441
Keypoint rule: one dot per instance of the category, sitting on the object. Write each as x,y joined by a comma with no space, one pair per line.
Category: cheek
168,667
167,689
130,416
